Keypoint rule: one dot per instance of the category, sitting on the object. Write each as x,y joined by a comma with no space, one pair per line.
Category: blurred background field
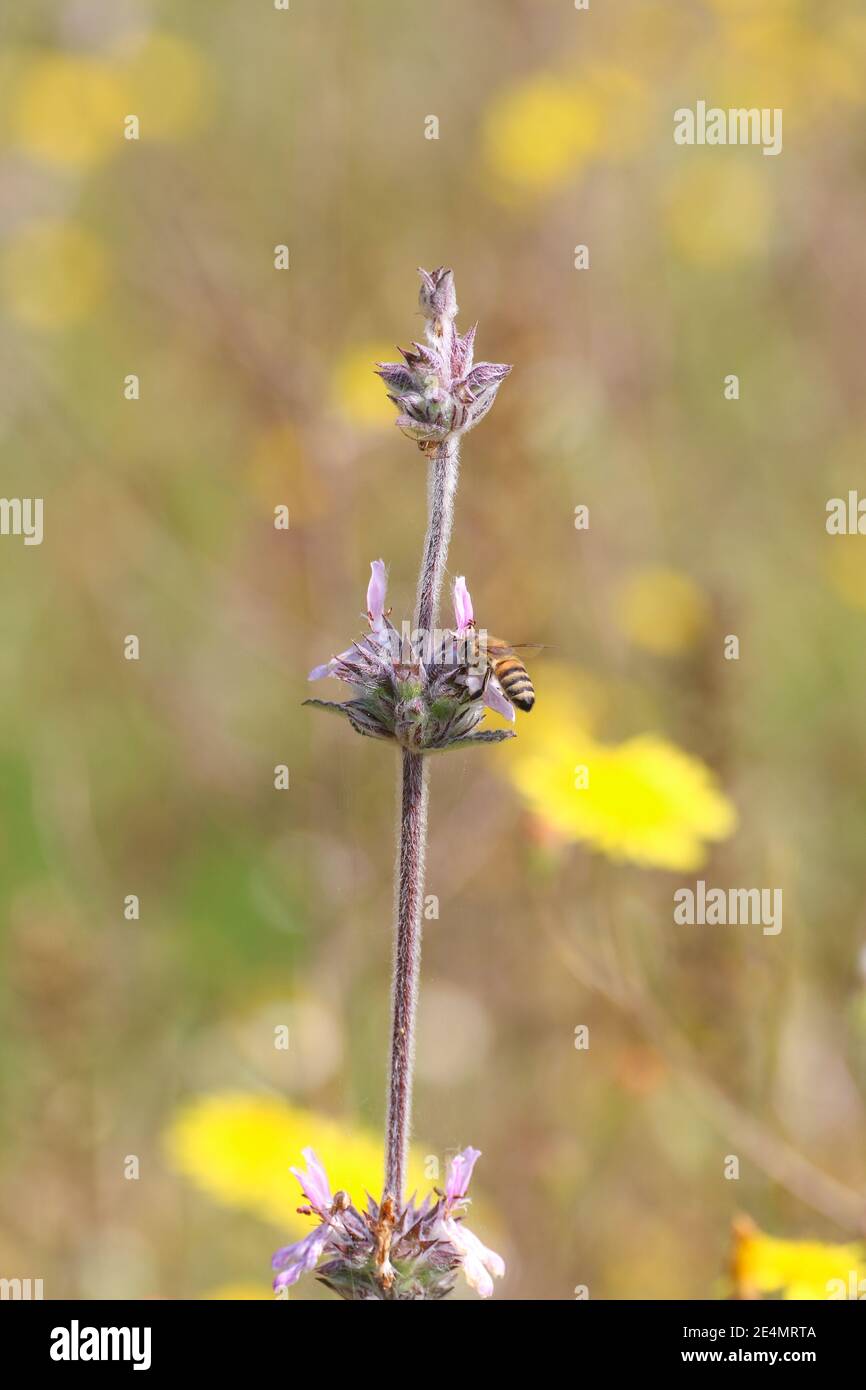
155,1038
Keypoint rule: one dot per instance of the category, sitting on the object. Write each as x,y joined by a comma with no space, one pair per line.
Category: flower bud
438,392
437,296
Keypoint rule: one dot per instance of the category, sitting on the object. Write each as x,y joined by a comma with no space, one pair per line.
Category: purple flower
495,700
376,591
314,1182
416,688
385,1250
302,1257
459,1174
423,690
294,1260
483,680
463,606
480,1264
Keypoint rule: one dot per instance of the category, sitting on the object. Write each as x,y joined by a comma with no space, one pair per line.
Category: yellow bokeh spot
643,800
52,273
357,393
70,110
280,474
737,9
67,110
662,611
719,212
780,54
240,1293
539,134
238,1148
846,569
169,86
798,1269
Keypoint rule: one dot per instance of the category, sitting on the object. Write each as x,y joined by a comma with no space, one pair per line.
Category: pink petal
460,1172
294,1260
477,1277
314,1182
462,606
478,1262
318,672
376,591
328,668
494,699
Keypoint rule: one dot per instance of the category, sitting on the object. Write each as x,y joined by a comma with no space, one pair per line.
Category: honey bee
501,660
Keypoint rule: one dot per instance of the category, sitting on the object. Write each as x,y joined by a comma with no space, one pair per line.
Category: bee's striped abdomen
514,679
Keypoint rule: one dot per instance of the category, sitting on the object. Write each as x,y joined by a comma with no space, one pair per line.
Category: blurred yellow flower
280,472
743,8
798,1269
662,610
719,212
238,1148
67,109
169,86
240,1293
642,800
804,63
846,569
52,273
540,133
357,393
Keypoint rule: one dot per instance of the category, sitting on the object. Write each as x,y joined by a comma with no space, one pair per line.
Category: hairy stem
442,487
407,965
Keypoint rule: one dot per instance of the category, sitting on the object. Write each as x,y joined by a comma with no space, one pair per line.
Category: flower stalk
427,693
443,471
407,966
441,489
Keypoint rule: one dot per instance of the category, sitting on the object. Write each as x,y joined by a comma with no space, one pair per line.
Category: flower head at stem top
439,393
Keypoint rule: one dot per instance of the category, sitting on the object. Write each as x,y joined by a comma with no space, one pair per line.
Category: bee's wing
497,647
494,646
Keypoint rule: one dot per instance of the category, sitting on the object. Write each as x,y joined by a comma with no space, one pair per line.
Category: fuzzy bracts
389,1251
437,390
425,690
